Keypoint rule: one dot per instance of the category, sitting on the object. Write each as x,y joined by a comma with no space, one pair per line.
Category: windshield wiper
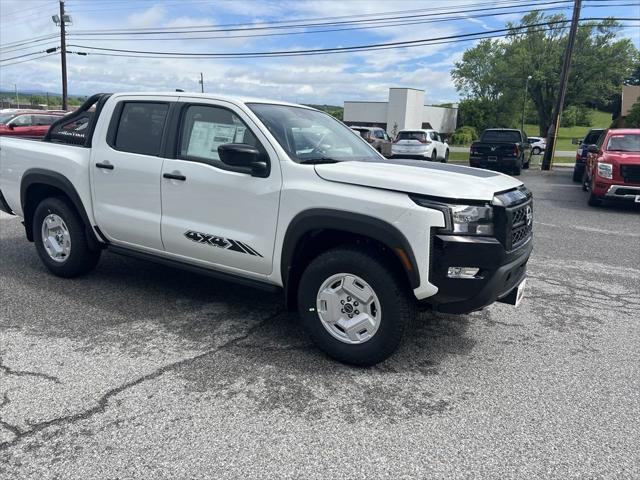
318,161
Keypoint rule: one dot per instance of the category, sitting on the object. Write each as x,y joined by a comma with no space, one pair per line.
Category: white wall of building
441,119
405,109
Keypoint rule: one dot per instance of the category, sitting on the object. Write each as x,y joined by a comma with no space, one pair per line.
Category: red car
31,124
613,167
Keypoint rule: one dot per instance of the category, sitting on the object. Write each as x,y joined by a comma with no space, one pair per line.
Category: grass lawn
598,120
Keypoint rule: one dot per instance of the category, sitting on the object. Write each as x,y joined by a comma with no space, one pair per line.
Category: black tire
81,258
446,157
536,151
434,156
525,166
594,200
576,175
396,305
517,170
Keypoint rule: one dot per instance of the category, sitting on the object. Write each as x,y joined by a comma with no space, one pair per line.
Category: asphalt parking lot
142,371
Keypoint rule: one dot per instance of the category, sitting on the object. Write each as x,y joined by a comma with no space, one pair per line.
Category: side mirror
244,156
575,141
11,126
593,149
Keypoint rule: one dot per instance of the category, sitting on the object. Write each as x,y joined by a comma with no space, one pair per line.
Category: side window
434,136
44,119
378,134
205,128
140,127
22,121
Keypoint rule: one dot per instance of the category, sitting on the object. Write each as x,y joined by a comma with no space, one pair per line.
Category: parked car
591,138
377,137
538,145
222,186
31,124
613,167
503,149
420,144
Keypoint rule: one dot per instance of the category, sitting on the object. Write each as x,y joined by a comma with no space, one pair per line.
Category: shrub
464,136
632,120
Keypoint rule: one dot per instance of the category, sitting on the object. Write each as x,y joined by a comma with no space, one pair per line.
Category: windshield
5,117
500,136
309,135
624,143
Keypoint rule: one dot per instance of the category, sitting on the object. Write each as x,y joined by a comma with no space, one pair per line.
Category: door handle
106,166
174,176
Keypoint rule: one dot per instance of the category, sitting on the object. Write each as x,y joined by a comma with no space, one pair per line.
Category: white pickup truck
273,195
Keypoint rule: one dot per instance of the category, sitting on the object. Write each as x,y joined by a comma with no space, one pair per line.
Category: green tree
496,70
632,120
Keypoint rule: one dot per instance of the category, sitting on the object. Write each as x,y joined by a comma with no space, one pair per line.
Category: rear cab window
413,135
500,136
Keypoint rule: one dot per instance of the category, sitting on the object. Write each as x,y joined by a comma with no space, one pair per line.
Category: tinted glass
205,128
378,134
501,136
22,121
593,137
308,135
140,127
420,136
45,119
624,143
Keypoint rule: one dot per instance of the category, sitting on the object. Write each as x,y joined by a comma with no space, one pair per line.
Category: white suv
421,144
538,145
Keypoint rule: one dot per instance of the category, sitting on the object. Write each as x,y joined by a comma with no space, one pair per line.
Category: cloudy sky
328,79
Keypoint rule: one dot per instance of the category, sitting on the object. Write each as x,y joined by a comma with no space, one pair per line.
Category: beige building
630,95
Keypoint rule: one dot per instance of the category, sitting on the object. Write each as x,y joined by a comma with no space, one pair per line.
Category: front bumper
623,192
500,272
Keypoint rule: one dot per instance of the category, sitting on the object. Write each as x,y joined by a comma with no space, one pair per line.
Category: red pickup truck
613,167
25,123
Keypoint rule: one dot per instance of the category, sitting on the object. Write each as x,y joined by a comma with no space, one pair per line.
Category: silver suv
377,137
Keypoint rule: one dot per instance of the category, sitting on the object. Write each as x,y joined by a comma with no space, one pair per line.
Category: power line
30,59
205,29
394,23
331,49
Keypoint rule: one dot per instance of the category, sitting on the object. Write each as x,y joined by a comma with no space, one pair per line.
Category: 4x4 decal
220,242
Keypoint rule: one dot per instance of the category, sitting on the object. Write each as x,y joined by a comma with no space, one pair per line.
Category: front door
125,173
211,212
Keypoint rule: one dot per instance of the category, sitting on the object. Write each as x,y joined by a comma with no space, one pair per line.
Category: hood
632,158
420,177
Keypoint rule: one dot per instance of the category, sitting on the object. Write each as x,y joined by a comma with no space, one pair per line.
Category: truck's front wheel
354,306
60,239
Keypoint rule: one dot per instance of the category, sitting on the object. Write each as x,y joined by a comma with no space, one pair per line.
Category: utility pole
15,87
564,80
47,100
63,56
201,82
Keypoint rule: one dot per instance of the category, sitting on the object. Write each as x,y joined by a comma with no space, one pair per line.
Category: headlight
472,219
605,170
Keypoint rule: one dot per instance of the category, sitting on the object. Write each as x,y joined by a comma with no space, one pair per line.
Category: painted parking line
590,229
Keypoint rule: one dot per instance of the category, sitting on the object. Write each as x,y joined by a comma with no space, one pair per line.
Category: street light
524,101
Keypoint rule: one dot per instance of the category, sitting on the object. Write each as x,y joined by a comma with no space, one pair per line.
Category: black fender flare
41,176
349,222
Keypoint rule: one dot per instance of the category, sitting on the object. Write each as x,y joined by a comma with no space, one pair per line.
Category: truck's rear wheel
60,238
434,156
354,307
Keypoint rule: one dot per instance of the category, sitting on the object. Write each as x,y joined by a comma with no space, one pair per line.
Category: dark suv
591,138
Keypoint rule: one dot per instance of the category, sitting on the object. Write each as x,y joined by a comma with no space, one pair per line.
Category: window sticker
206,137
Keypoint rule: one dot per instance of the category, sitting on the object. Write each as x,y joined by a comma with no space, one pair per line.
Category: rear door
126,169
211,212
